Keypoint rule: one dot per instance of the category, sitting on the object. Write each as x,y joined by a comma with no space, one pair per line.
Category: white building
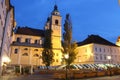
6,28
96,49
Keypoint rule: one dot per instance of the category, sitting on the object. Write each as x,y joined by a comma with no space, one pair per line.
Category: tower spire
55,8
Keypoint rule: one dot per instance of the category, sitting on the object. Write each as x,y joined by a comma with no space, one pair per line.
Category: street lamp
109,58
5,60
66,57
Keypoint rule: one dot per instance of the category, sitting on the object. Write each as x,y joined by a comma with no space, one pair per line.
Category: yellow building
27,46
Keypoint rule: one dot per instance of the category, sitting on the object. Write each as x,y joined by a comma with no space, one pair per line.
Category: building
26,48
6,30
118,41
27,45
95,50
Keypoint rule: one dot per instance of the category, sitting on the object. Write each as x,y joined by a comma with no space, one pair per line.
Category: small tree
68,45
47,54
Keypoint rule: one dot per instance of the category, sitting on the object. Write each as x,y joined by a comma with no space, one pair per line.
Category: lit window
25,54
16,51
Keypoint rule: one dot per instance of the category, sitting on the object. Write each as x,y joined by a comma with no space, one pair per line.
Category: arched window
35,49
25,54
36,55
56,22
25,48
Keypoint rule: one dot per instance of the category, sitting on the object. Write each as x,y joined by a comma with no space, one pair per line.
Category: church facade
27,46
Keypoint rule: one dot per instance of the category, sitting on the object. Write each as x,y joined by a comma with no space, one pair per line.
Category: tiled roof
96,39
29,31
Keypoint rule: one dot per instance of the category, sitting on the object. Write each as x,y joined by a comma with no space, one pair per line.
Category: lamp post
5,61
109,58
66,57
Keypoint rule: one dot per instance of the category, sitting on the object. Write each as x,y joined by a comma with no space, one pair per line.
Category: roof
29,31
96,39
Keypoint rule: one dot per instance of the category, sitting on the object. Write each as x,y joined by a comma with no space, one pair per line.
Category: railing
26,44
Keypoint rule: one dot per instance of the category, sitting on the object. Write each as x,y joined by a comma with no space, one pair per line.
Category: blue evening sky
100,17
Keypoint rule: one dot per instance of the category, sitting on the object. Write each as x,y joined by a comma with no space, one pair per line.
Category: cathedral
27,46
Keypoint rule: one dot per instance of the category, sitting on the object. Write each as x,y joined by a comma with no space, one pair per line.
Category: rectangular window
18,39
27,40
100,49
36,42
104,57
16,51
104,50
96,49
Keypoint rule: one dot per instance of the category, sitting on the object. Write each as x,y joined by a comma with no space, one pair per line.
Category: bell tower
54,23
56,28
